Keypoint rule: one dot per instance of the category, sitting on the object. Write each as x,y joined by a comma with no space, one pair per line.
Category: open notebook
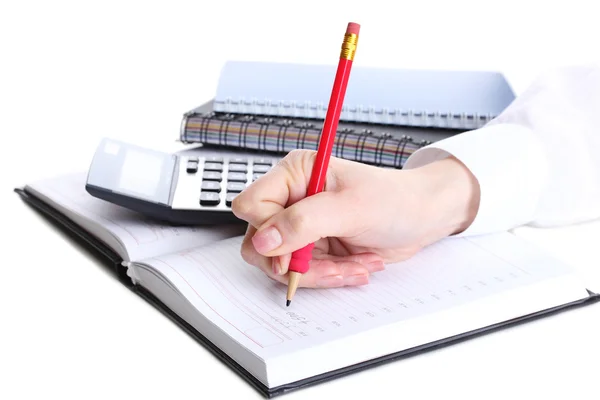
453,290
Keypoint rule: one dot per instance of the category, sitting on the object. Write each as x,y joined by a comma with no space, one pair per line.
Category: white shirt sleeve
538,162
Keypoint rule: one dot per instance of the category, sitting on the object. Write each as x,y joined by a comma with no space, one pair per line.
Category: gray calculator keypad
217,180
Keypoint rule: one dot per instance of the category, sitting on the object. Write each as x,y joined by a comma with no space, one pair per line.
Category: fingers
371,261
326,214
251,256
287,220
285,184
328,272
281,263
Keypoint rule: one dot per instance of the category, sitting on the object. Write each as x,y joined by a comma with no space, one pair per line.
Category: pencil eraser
353,27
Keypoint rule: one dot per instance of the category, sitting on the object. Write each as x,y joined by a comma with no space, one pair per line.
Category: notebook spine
355,113
282,135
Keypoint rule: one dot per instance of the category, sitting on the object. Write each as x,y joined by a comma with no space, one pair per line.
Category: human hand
365,217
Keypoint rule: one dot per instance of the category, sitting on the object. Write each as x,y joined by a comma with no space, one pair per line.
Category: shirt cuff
509,164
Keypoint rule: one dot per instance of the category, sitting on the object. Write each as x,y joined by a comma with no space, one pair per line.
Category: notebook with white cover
391,96
451,291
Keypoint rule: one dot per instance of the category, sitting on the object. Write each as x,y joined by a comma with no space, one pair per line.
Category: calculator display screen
141,172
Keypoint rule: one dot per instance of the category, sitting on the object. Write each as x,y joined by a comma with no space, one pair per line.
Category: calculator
195,187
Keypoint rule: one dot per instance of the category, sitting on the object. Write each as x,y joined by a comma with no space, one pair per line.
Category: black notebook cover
108,256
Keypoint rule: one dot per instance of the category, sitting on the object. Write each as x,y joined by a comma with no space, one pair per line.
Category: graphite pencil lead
287,303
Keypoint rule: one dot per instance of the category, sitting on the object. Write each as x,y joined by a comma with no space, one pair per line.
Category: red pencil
301,257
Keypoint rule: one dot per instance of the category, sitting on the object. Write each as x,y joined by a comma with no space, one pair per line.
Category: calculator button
212,176
236,176
216,159
235,186
192,167
211,186
193,159
209,198
238,168
256,176
229,198
213,166
261,168
262,161
238,160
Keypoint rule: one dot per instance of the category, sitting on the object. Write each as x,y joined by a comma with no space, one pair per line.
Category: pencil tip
287,303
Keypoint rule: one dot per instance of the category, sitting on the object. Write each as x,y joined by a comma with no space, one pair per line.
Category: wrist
449,197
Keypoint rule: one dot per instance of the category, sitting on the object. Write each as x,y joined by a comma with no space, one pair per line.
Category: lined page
141,236
250,307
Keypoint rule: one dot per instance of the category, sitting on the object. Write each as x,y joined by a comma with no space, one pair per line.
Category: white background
73,72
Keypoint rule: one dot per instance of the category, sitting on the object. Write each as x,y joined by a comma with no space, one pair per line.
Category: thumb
322,215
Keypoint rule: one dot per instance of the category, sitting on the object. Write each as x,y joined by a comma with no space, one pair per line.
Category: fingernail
330,281
356,280
284,262
276,266
267,240
376,266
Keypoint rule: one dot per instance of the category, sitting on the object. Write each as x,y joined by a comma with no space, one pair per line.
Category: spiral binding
354,113
283,134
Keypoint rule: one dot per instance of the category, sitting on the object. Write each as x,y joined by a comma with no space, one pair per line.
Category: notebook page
250,307
140,236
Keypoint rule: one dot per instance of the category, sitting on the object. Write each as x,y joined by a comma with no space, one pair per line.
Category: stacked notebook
451,291
387,114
